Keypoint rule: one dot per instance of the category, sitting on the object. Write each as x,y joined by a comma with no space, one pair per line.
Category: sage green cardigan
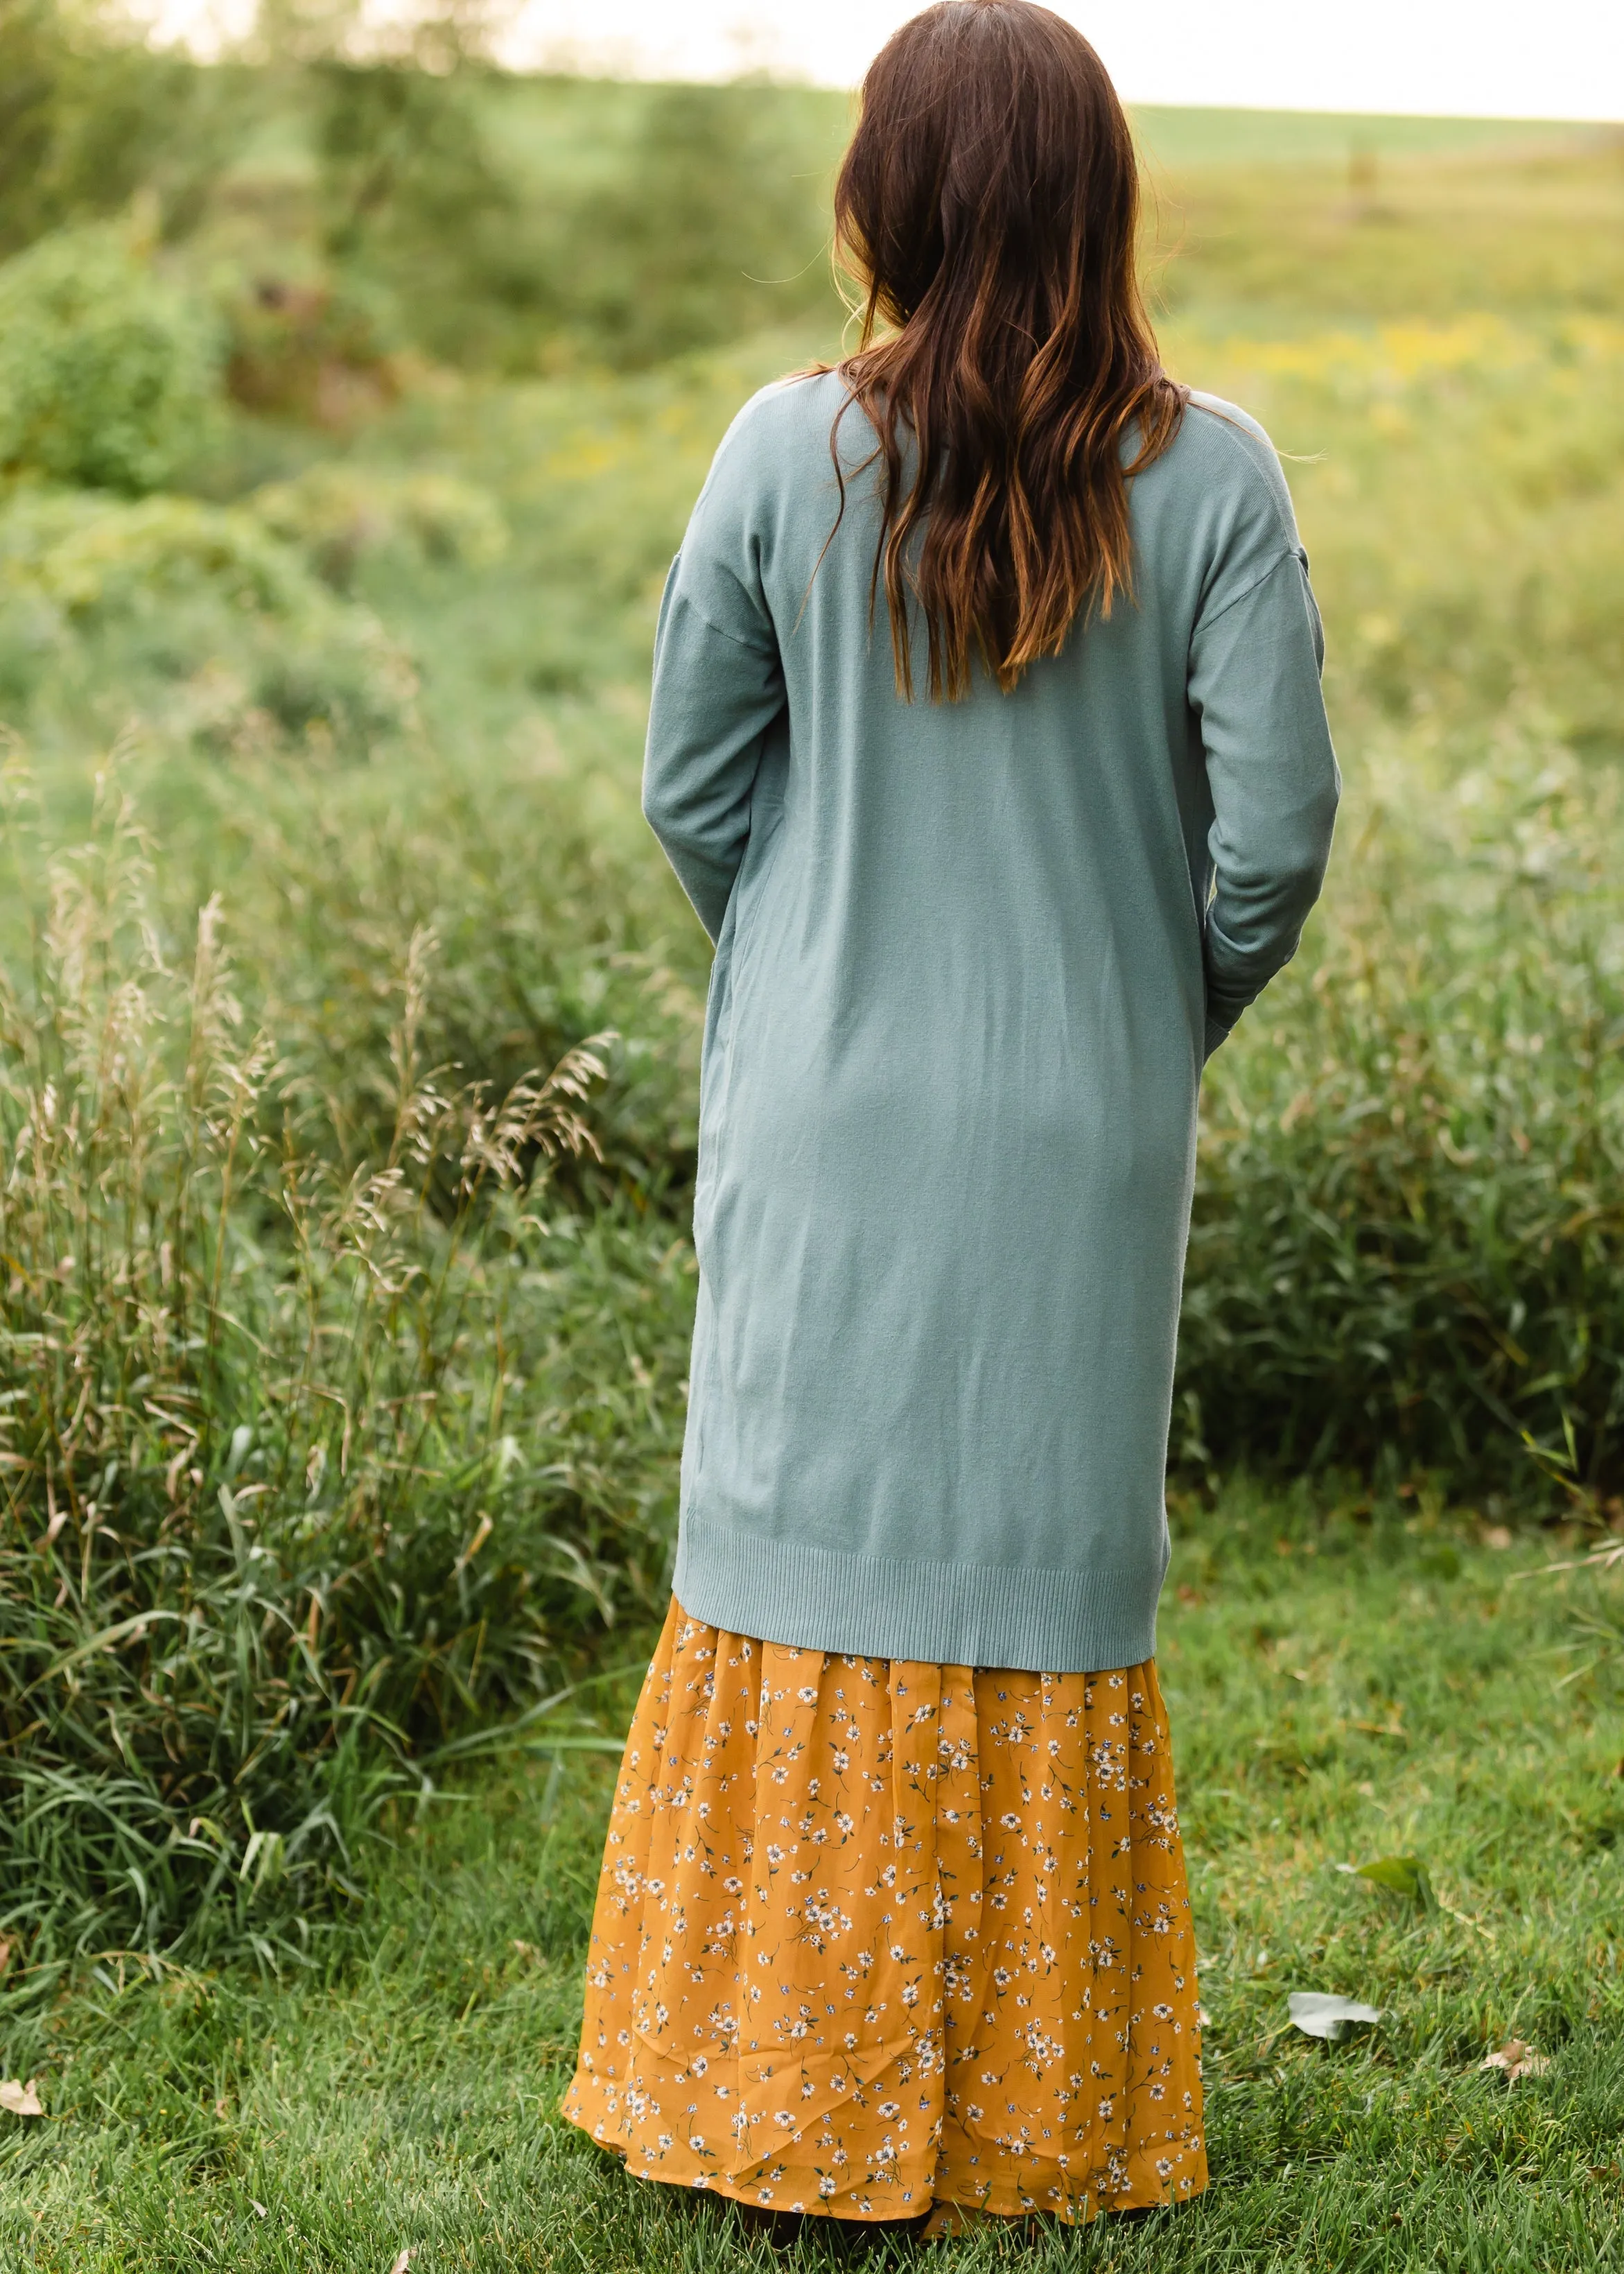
969,959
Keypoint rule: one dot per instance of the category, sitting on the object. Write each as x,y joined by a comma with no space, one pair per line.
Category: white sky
1488,58
1492,59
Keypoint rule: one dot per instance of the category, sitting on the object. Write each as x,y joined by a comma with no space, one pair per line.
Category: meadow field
348,1059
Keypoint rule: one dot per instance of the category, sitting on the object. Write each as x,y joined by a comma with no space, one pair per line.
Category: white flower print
765,1921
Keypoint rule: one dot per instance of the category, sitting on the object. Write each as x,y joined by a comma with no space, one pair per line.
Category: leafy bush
94,556
347,685
307,1467
108,373
339,514
1409,1241
503,237
320,352
169,587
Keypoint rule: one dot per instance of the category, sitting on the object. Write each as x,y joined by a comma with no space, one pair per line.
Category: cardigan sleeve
1254,688
719,685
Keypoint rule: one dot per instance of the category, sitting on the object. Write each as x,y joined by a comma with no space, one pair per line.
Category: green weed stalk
251,1447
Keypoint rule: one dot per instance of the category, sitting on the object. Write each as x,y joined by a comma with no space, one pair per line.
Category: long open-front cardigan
969,959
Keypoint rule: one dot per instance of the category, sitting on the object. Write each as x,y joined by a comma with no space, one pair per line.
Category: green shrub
33,639
321,352
339,514
346,681
1408,1250
307,1468
166,587
507,224
108,373
96,557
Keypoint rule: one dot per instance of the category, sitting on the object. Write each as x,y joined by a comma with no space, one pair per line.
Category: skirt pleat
872,1935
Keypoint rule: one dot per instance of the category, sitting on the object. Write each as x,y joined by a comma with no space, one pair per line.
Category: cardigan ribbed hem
1020,1616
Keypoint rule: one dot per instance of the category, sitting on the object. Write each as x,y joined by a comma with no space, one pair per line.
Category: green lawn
1344,1686
1180,135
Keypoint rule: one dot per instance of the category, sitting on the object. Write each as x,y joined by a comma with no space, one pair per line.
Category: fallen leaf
1317,2013
20,2099
402,2262
1516,2060
1405,1876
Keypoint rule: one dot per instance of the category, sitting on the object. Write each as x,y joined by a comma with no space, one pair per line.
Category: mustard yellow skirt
872,1936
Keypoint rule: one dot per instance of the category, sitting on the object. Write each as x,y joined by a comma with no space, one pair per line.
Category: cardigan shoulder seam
747,646
1291,552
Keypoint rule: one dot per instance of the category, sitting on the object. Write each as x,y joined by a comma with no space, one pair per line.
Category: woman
893,1918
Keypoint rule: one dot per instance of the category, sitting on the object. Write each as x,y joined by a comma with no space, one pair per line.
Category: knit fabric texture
970,957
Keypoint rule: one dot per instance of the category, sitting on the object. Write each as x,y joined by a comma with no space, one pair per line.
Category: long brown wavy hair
987,210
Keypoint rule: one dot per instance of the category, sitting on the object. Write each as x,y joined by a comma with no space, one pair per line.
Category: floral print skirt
872,1936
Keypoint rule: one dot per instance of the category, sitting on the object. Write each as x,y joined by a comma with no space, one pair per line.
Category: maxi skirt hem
873,1935
586,2107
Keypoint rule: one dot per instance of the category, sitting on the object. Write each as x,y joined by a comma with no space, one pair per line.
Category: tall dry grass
266,1543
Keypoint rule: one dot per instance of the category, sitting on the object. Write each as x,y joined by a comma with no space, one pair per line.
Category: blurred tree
404,153
89,113
414,196
439,38
411,195
716,226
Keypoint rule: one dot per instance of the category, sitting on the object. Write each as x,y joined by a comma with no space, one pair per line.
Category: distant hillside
345,217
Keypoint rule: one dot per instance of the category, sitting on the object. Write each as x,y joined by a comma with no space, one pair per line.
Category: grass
1346,1682
257,1370
1185,137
